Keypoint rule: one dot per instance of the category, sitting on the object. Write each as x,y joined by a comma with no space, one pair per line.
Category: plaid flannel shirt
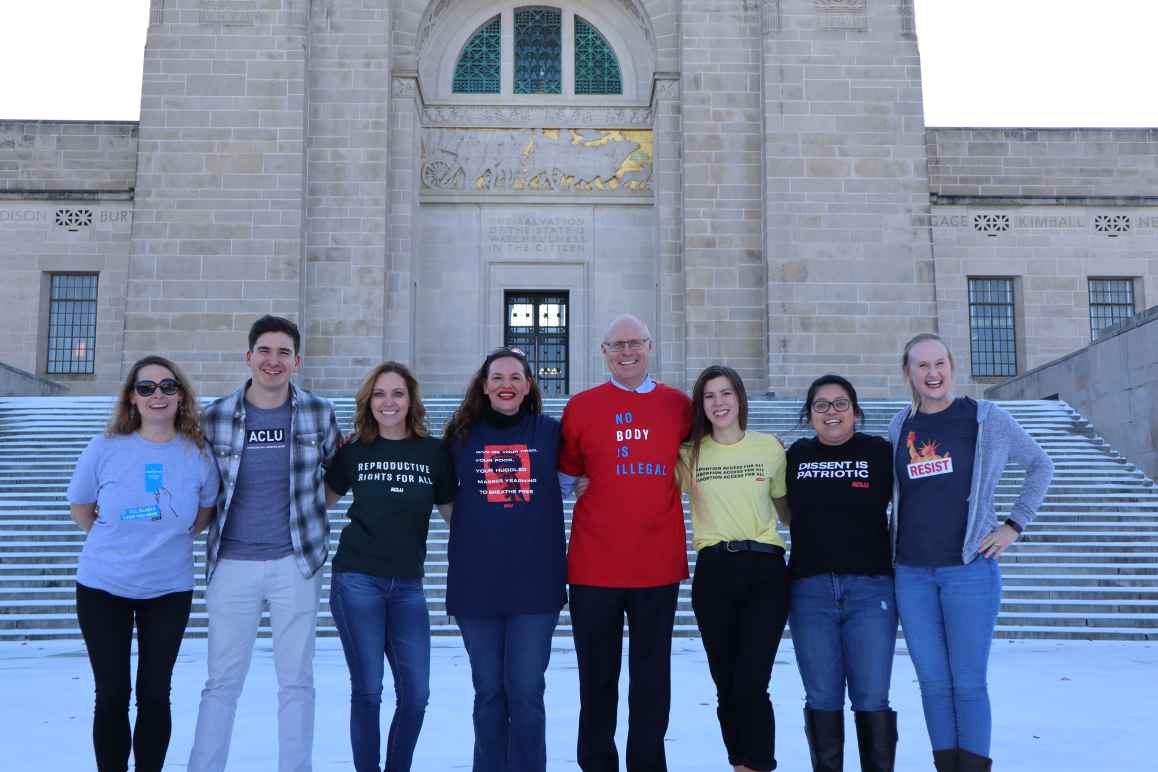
315,437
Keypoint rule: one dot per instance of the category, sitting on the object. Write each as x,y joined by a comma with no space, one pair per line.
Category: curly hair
365,427
474,402
126,419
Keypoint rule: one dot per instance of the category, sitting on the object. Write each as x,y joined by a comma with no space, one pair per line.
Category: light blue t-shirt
147,495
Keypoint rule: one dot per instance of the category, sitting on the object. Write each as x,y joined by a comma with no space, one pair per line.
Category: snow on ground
1058,706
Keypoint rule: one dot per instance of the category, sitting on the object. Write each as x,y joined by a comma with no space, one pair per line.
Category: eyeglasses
635,344
840,404
168,386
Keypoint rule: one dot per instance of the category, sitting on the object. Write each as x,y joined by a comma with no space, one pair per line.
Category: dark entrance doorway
536,322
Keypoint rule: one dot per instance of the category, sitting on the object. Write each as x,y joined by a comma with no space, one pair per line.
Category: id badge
150,512
154,477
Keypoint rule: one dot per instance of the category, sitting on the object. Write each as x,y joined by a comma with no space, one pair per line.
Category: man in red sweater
628,549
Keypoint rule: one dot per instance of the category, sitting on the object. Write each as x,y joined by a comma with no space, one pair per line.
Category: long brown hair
365,427
702,427
126,419
474,402
921,338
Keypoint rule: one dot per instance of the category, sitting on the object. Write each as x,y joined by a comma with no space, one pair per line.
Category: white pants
235,598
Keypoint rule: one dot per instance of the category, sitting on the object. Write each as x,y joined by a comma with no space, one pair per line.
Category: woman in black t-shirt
398,473
842,611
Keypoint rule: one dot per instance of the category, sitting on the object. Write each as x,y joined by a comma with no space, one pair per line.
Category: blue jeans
508,660
844,630
377,615
948,615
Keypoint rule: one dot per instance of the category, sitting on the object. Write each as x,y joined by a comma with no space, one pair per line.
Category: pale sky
985,62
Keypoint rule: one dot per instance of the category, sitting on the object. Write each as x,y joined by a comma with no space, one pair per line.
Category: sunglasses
168,386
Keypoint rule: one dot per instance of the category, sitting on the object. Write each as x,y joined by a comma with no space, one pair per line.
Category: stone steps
1088,568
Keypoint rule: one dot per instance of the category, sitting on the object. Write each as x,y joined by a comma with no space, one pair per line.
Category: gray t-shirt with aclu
147,495
257,526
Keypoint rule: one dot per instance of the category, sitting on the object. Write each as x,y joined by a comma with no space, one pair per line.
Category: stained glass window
538,51
477,71
596,68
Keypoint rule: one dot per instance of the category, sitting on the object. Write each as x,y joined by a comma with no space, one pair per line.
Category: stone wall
1113,382
1043,163
217,230
850,272
59,156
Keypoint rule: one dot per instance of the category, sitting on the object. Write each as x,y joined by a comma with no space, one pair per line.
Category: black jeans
597,626
740,600
106,621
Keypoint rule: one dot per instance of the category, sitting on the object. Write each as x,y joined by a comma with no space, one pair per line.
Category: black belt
746,545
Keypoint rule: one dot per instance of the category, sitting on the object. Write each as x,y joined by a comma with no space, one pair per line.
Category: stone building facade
761,188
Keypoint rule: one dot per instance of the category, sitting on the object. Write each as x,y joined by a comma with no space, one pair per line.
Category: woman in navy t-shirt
505,585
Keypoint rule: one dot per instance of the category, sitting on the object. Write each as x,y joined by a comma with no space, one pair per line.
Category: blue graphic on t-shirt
154,477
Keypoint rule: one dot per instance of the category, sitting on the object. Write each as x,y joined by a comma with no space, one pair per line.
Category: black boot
876,734
946,760
825,732
971,762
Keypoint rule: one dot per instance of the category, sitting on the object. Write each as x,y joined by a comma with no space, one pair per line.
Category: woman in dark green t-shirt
398,474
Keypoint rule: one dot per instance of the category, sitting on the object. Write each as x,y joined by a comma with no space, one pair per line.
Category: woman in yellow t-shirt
735,480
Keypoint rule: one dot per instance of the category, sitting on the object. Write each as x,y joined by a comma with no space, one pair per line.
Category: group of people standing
879,531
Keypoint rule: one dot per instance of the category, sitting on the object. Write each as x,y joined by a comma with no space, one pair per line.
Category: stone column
848,242
398,335
722,176
217,222
346,192
672,306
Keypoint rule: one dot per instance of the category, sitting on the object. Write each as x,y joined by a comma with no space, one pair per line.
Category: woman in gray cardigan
950,454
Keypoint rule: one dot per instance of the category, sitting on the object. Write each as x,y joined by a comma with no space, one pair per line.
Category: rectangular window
1111,301
993,342
72,315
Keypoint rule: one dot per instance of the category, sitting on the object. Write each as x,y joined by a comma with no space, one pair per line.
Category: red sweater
628,527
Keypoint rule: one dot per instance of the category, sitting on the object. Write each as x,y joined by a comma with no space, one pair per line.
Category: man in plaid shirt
267,543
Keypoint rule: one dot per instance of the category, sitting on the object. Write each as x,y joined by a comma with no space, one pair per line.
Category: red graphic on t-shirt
507,472
924,461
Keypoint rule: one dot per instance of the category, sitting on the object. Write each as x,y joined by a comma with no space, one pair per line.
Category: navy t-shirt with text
934,462
507,553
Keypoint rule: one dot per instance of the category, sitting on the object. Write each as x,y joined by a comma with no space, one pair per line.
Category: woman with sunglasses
843,613
735,480
507,568
140,492
398,473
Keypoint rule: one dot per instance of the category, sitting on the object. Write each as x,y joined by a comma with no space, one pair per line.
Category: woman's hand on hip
994,545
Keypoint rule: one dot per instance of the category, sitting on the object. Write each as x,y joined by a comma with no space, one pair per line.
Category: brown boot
946,760
971,762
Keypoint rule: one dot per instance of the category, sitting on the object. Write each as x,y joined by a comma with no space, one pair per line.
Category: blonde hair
915,398
127,420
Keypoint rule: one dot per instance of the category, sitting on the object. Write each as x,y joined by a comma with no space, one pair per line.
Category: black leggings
106,621
740,600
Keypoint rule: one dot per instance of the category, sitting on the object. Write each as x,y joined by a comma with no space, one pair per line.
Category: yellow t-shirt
735,485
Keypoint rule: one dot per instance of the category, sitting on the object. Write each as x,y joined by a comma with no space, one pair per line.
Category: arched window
596,68
538,51
478,67
543,37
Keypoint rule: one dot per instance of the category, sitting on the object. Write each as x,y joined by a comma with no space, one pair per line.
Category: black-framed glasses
168,386
635,344
840,405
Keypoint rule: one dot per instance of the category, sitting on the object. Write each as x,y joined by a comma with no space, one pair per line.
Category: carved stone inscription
843,14
536,235
541,162
228,13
